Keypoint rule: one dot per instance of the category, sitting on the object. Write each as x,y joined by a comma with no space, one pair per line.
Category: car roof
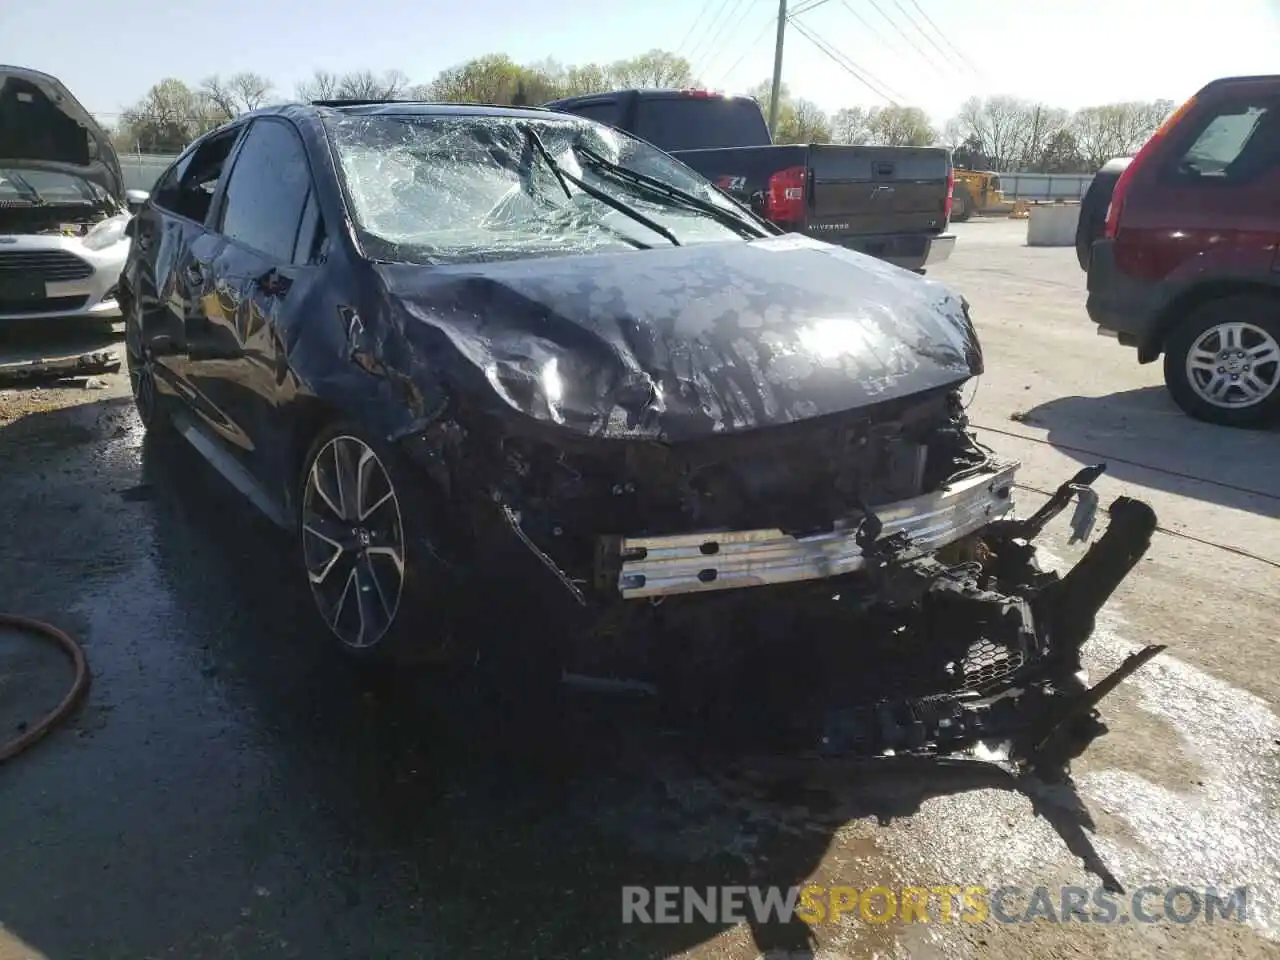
397,108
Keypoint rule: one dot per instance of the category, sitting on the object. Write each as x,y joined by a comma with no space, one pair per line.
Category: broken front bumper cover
692,563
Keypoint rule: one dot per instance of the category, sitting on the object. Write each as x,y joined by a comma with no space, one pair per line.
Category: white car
63,205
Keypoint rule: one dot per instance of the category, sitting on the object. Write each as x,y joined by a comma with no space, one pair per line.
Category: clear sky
1067,53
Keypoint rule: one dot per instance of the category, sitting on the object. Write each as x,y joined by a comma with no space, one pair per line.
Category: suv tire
1222,351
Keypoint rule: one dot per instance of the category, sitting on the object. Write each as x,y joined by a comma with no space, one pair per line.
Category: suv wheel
961,205
1222,363
378,584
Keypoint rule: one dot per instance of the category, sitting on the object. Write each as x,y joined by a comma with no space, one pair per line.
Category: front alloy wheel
353,541
142,377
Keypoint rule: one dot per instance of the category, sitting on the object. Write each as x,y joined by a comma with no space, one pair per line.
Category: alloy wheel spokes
353,541
1234,365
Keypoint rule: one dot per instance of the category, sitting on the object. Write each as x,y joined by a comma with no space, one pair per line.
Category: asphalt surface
233,789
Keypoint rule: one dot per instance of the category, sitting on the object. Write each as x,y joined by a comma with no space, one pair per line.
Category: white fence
1044,186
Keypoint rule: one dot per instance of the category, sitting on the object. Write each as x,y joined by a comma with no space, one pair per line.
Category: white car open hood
43,127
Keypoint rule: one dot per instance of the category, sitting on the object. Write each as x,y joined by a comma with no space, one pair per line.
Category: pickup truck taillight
1112,227
951,195
786,198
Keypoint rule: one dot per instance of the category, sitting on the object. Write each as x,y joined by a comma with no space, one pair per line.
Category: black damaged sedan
529,392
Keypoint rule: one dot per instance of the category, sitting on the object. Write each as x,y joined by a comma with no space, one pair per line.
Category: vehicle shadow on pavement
391,814
1146,439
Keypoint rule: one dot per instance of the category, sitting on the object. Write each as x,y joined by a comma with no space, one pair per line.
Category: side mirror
134,199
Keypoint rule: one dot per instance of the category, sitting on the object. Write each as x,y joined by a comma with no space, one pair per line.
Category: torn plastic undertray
1040,715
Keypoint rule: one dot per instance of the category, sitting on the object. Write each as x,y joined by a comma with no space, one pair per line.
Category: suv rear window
1235,143
693,123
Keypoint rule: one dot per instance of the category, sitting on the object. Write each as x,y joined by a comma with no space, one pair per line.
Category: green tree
656,69
168,118
799,120
895,126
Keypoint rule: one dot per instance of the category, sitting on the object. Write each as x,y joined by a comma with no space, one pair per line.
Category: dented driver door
256,278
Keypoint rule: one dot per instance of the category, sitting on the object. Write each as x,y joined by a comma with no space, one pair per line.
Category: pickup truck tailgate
859,190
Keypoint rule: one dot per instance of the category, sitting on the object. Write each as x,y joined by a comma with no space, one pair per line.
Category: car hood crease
677,343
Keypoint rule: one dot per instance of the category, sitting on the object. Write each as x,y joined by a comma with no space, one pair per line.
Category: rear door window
1234,144
268,191
694,123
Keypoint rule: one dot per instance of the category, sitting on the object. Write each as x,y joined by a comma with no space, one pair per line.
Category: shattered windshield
459,188
44,186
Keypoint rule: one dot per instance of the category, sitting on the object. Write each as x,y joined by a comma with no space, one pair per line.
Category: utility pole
776,93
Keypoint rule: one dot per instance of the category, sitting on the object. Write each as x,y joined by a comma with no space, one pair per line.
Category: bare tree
367,85
1041,126
994,128
849,125
1116,129
356,85
239,93
952,135
323,85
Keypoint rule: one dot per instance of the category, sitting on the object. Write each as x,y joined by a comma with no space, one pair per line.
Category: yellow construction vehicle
976,191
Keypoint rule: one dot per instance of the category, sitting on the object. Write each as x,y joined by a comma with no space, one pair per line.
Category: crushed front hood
44,127
687,341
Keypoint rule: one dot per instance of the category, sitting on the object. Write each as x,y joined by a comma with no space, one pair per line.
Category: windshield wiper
564,178
23,186
728,218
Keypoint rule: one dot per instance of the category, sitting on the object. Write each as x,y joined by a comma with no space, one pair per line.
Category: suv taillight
951,196
1125,180
786,199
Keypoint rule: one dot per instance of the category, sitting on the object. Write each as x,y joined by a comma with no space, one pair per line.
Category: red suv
1189,262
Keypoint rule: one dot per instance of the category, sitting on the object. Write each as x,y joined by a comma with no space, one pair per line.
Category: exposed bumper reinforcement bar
691,563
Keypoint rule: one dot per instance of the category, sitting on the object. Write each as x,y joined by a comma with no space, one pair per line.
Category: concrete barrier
1052,224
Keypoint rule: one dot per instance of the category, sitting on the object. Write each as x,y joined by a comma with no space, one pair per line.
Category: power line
865,22
693,26
868,81
707,30
764,28
902,33
733,19
933,64
920,30
946,39
805,7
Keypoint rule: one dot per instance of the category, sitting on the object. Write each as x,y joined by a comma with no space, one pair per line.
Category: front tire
150,404
961,205
367,550
1222,362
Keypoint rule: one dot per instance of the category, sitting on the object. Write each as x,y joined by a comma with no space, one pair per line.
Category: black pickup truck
891,202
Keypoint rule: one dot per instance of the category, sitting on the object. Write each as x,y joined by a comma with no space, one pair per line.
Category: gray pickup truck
893,203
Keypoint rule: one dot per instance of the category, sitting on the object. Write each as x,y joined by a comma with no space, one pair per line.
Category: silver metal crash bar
699,562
